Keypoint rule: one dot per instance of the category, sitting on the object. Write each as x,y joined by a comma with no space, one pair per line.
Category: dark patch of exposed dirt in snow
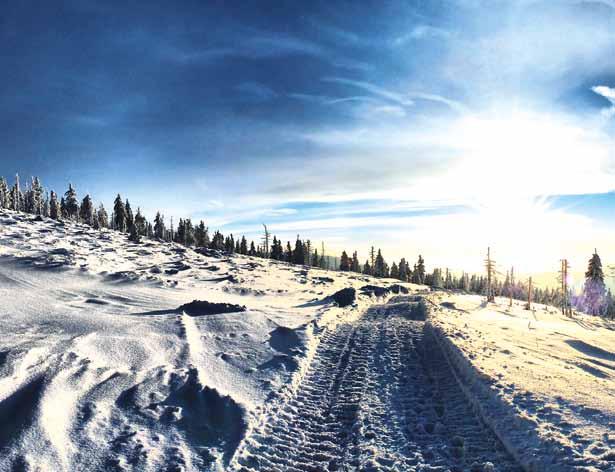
377,396
204,308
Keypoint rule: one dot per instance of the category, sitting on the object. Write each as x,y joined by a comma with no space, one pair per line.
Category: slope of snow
100,371
545,382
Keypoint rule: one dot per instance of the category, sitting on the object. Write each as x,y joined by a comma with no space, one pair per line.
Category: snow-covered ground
101,370
546,382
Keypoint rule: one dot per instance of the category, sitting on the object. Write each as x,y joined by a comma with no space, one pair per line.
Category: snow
100,369
546,382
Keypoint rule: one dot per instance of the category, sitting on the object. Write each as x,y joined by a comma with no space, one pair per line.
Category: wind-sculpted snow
378,396
99,370
106,364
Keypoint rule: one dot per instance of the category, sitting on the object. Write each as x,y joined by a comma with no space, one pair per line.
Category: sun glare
521,154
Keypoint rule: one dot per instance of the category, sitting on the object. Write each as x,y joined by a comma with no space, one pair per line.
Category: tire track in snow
378,396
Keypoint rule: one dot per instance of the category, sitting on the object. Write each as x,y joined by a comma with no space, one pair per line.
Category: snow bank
543,382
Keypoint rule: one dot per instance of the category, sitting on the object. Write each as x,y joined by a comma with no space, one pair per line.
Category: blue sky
414,126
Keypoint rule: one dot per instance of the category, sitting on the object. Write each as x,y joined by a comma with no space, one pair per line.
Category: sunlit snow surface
98,371
550,379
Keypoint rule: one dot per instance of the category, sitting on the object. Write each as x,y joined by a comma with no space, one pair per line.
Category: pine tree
16,196
243,246
404,275
394,271
436,279
288,255
36,197
252,251
419,271
86,213
119,214
189,232
71,205
355,265
159,229
379,268
55,211
130,219
103,218
307,253
46,207
95,220
298,253
372,259
200,235
63,211
4,194
593,299
367,269
140,223
134,235
344,262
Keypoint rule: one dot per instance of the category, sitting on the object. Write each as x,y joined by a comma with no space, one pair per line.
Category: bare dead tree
266,241
490,267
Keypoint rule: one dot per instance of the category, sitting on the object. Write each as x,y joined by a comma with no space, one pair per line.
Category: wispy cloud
420,32
398,98
609,94
452,104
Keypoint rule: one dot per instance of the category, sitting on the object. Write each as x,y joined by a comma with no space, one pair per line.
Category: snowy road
378,396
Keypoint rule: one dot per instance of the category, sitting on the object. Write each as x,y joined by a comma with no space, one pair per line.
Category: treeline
595,298
36,200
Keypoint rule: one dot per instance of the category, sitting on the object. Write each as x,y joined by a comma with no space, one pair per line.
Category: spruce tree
16,196
119,214
298,253
102,217
159,226
36,197
200,235
394,271
367,268
46,206
4,193
243,246
63,211
130,219
419,271
140,223
344,262
71,205
189,232
86,213
380,266
355,265
252,251
134,235
593,299
436,279
55,211
180,234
